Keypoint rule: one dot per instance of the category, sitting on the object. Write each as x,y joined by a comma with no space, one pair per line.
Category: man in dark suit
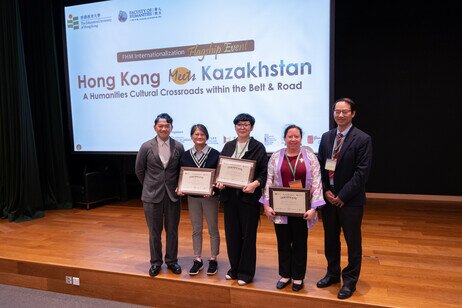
157,167
345,155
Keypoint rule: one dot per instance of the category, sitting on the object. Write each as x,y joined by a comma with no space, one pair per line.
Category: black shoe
231,275
345,292
196,268
327,281
281,285
213,267
154,270
297,287
175,268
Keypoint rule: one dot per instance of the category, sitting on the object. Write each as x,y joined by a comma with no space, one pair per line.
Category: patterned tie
335,153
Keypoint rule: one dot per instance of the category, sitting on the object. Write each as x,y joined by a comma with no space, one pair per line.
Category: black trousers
348,219
241,223
292,248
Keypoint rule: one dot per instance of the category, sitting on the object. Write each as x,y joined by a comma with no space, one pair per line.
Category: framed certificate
290,201
196,181
235,172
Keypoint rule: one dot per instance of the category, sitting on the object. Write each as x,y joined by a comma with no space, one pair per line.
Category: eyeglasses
345,112
243,125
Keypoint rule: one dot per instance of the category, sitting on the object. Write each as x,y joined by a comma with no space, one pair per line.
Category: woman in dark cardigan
202,156
241,206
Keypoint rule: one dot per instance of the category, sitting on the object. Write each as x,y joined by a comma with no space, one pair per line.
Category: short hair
347,100
242,117
200,127
163,116
292,126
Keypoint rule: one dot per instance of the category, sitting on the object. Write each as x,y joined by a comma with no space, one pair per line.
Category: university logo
269,139
310,139
122,16
72,22
227,138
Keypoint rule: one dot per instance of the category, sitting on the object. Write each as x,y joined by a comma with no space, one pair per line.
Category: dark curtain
400,61
33,169
45,99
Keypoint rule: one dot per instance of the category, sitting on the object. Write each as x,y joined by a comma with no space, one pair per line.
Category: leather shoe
281,285
297,287
327,281
175,268
154,270
345,292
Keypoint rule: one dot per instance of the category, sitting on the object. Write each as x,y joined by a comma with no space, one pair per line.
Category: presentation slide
201,62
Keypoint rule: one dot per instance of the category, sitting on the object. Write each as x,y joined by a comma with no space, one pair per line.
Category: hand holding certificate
234,172
196,181
290,201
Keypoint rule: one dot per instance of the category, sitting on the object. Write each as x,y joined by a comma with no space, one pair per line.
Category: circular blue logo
122,16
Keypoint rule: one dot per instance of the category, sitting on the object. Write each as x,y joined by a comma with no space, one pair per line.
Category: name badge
296,184
330,164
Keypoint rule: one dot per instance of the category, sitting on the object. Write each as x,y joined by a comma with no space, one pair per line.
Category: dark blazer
255,152
353,165
156,179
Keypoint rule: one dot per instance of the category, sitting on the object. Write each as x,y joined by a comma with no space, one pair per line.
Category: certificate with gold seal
233,172
290,201
196,181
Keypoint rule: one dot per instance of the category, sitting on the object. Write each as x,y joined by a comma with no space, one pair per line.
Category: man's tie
335,153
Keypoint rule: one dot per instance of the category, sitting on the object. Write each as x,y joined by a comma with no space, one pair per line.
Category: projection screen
200,61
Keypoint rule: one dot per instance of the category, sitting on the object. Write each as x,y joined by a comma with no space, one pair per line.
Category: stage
412,256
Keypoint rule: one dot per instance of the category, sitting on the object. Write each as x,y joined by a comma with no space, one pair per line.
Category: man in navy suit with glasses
345,156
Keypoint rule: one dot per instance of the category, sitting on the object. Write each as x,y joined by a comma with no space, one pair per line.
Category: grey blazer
156,179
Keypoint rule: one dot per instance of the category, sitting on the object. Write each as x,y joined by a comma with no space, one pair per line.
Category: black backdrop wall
399,61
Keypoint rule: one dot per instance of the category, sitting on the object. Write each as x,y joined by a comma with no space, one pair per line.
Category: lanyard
236,155
199,163
294,169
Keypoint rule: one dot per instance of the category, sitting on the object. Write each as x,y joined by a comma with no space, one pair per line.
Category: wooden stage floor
412,258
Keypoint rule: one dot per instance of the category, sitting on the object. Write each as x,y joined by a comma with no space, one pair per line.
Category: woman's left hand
208,196
250,188
219,185
310,214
